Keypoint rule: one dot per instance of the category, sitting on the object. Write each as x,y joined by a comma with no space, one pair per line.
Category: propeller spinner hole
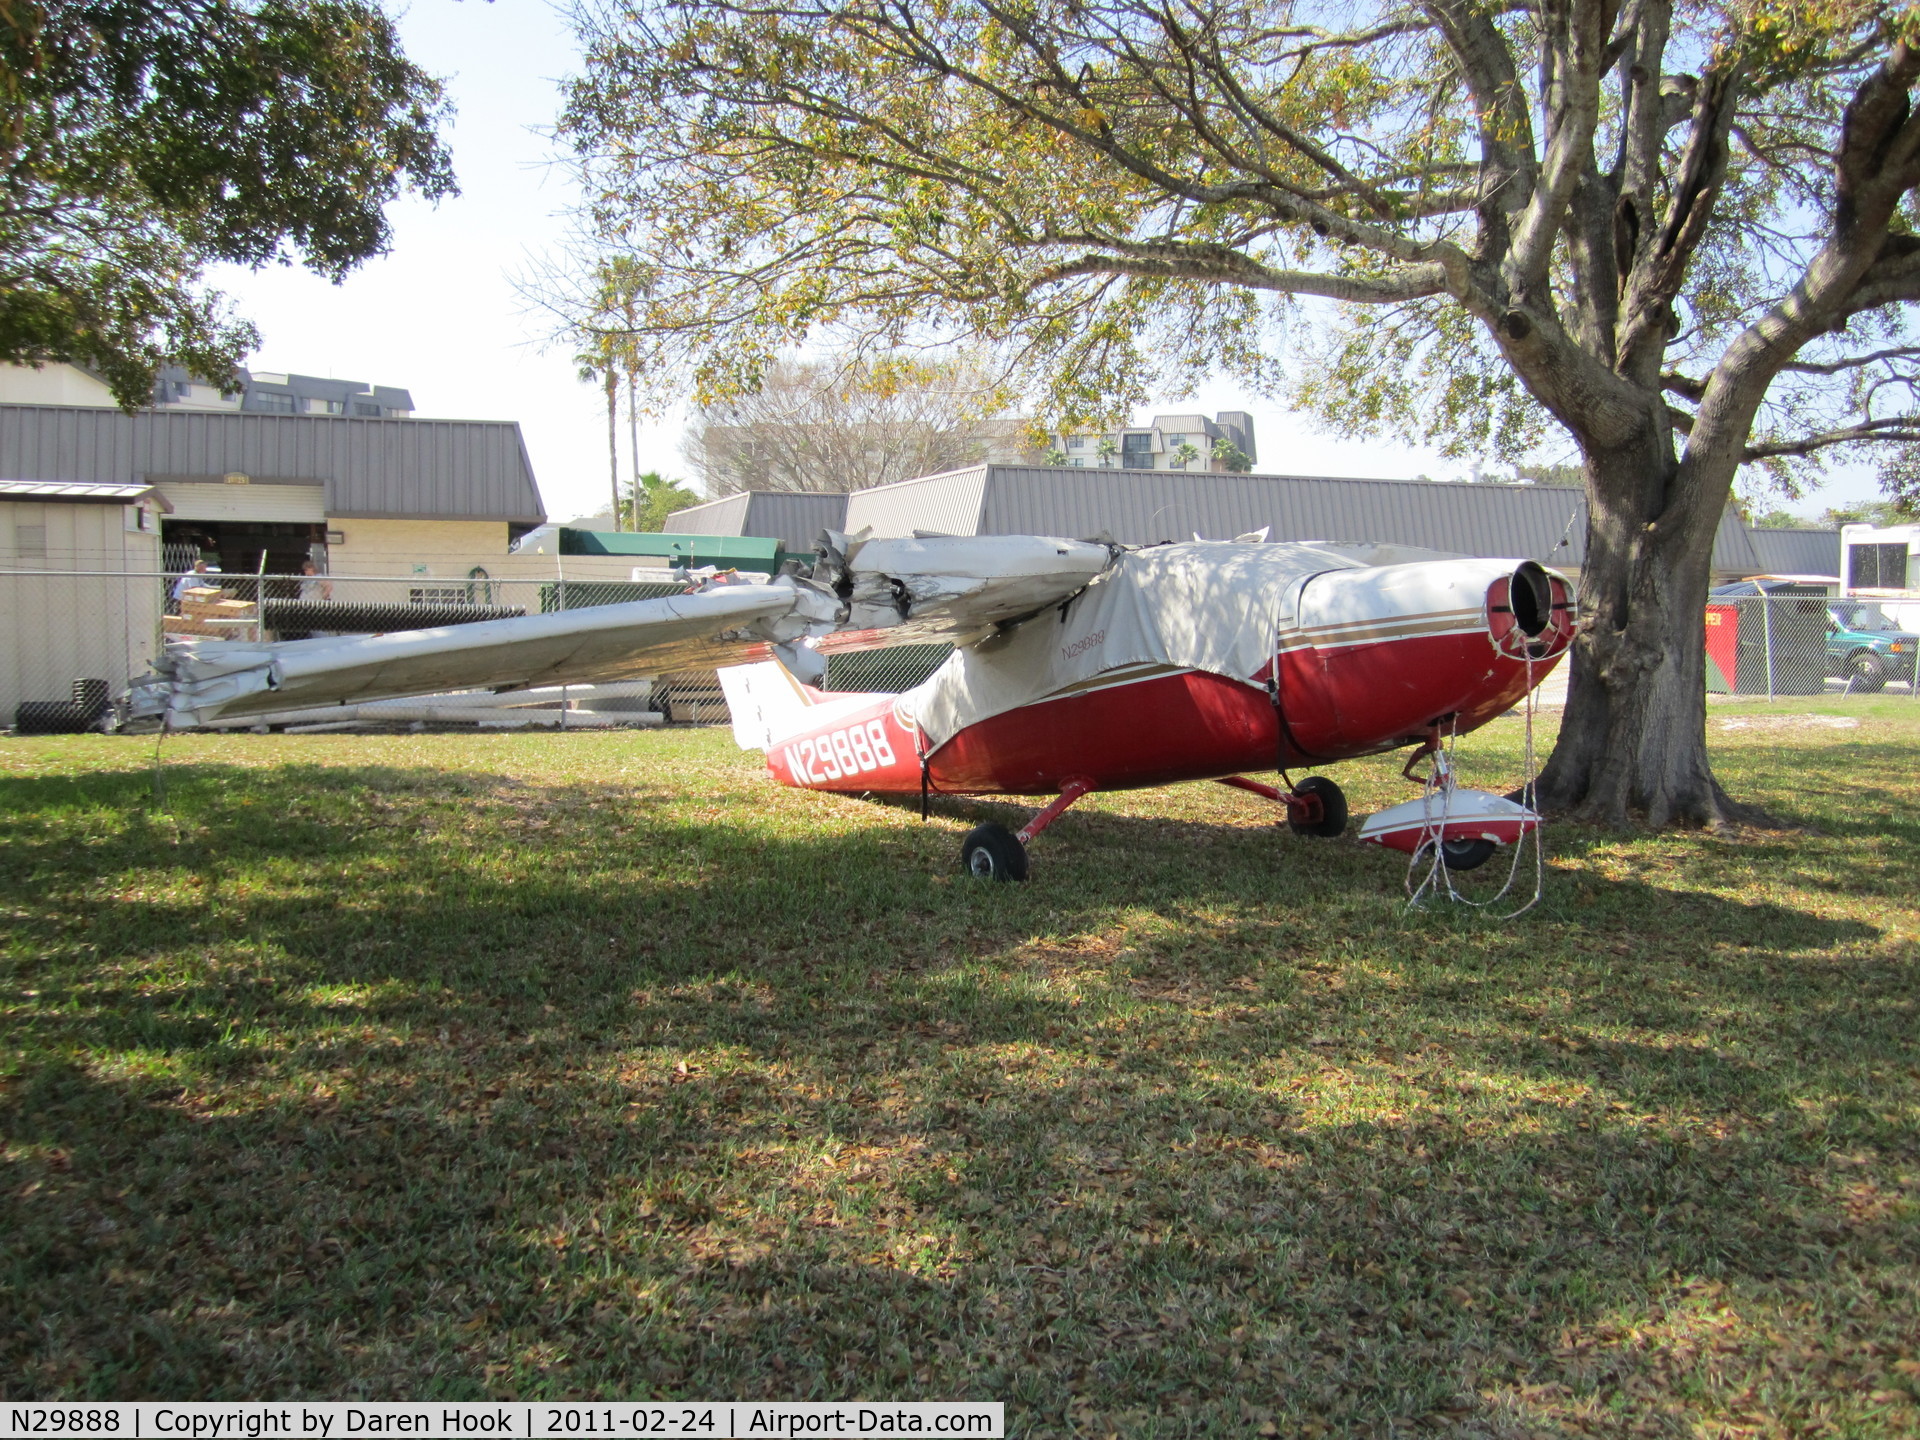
1530,596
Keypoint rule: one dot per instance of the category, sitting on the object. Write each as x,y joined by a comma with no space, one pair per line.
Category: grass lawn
597,1065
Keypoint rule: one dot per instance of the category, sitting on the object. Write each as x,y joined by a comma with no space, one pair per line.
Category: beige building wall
56,628
451,549
50,385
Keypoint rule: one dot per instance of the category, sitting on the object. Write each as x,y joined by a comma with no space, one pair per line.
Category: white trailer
1878,562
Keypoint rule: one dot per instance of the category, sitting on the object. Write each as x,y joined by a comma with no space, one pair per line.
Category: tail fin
766,702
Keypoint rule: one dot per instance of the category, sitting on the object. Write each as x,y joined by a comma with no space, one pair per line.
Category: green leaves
1123,198
149,139
654,498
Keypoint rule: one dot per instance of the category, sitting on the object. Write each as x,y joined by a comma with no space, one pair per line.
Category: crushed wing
909,590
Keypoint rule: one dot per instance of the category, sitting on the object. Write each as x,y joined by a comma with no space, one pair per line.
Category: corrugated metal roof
946,504
71,490
372,469
1139,507
1733,552
793,518
725,516
1145,506
1796,552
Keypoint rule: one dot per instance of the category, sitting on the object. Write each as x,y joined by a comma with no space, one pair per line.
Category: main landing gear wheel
1463,854
992,852
1332,806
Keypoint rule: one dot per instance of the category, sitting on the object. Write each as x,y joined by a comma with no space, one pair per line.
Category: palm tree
593,367
655,498
606,335
1231,455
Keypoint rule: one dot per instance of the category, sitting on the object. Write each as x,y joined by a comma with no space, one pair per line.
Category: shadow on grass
374,1081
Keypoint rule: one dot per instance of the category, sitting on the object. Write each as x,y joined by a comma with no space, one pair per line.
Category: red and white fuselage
1226,658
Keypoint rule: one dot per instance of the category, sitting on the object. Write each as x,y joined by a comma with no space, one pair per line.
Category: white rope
1440,782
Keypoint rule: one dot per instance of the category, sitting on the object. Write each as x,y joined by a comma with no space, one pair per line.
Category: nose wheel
1316,806
1462,854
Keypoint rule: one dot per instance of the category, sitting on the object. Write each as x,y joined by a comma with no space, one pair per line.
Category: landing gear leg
1316,806
992,852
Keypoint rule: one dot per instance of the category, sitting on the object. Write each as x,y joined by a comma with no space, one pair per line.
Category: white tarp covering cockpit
1206,605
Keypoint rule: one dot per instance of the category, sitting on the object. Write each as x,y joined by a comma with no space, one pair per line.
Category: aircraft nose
1530,612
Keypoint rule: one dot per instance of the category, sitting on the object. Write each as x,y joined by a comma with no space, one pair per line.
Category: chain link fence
1770,647
70,640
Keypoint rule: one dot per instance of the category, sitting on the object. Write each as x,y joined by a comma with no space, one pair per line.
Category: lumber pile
210,612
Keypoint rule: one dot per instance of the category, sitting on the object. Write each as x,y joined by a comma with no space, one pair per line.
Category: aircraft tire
1333,808
993,852
1464,854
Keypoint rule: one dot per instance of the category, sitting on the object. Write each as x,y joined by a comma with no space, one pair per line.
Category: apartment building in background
250,392
1221,444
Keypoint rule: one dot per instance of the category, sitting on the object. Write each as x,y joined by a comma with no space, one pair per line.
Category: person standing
185,583
315,588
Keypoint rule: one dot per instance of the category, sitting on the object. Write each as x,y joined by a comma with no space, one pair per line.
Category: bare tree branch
1852,362
1894,428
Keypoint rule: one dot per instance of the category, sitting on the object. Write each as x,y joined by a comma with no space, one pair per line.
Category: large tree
141,140
1680,231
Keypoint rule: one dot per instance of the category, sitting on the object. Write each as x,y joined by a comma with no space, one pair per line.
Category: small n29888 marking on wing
840,753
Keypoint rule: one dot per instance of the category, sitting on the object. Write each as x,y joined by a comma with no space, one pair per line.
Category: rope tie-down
1444,816
1451,828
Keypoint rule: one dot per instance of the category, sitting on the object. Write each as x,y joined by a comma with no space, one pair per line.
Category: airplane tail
766,702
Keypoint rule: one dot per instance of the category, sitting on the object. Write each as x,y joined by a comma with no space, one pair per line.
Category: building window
1076,442
273,404
1877,567
1077,463
367,409
334,407
1175,441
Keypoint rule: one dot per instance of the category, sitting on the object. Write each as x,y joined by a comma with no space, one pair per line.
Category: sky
444,316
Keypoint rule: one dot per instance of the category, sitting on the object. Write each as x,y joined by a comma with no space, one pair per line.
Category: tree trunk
1633,741
633,445
613,440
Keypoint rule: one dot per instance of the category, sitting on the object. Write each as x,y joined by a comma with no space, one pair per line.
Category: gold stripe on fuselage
1398,627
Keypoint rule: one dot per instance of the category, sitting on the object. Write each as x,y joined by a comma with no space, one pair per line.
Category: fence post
1766,629
560,570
